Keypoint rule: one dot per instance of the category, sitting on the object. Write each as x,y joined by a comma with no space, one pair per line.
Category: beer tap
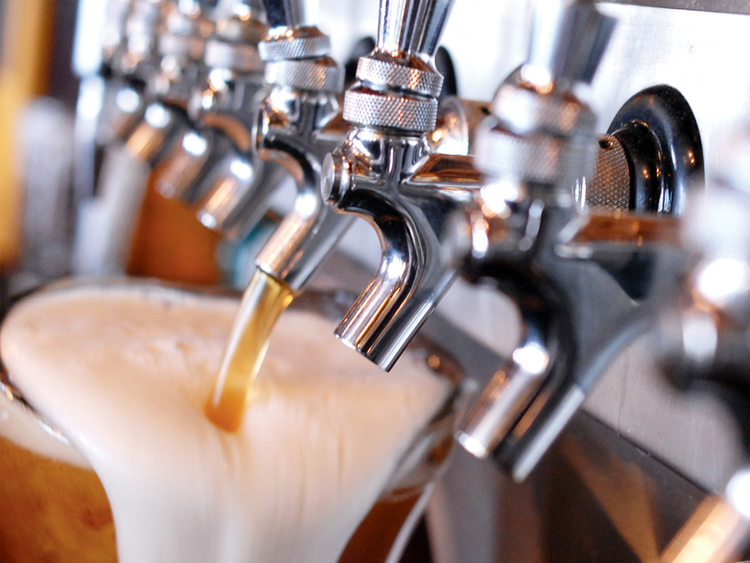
113,74
586,282
180,45
704,343
297,124
129,60
389,173
213,165
163,50
93,56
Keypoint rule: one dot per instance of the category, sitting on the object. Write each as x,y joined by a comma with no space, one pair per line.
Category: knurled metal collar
538,158
294,48
237,57
305,75
387,73
610,185
526,110
388,110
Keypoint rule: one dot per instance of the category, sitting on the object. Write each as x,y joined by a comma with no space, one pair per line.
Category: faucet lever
567,43
412,28
290,14
399,83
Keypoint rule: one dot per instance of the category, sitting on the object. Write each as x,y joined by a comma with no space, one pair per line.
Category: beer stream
263,301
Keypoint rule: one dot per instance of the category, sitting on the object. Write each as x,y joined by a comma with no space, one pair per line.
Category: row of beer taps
234,98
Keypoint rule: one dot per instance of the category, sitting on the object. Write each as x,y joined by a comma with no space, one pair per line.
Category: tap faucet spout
297,124
407,196
389,173
704,343
526,235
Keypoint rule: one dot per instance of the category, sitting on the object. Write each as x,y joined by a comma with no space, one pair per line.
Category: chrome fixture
585,282
704,343
213,166
129,61
238,194
110,101
297,124
388,172
164,48
180,45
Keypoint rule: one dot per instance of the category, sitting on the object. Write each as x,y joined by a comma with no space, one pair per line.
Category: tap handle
412,27
398,82
296,51
568,40
291,14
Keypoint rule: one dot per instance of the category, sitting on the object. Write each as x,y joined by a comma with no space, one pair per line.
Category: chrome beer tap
164,49
704,343
585,282
213,166
100,33
388,172
297,124
239,186
128,66
180,45
115,54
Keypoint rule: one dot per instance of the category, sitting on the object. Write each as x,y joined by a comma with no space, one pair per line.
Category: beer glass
55,508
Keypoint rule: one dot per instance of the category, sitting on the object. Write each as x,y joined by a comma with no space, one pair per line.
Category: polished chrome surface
392,112
400,76
387,172
297,124
532,150
526,235
188,160
398,80
222,108
137,56
297,130
152,137
112,98
704,341
113,32
182,39
299,45
296,51
407,191
655,45
723,6
412,27
175,33
284,14
314,75
691,51
238,193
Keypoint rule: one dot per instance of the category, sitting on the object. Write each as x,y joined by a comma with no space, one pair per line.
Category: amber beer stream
264,300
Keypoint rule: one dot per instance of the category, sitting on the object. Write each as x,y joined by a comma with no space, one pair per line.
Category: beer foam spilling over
125,373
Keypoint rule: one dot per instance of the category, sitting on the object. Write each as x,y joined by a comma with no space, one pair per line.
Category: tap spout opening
513,387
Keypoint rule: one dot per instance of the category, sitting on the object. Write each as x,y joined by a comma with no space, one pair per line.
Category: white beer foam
125,373
19,425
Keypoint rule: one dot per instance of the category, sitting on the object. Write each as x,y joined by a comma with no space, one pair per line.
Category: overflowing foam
124,373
